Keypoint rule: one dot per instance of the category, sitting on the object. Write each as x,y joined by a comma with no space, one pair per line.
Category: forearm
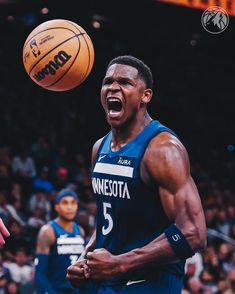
173,245
158,251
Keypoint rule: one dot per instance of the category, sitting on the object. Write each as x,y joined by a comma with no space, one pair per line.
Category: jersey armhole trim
101,146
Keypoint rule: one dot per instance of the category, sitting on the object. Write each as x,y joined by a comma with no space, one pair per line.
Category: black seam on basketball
54,28
60,78
87,48
74,25
76,35
89,59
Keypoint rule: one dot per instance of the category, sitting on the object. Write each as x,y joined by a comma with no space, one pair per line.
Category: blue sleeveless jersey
130,214
64,252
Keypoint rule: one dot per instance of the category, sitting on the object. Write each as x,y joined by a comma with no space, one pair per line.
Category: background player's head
66,204
126,90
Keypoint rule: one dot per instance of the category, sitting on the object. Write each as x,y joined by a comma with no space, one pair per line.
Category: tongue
114,113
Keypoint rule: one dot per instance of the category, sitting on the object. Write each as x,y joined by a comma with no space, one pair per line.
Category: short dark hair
143,70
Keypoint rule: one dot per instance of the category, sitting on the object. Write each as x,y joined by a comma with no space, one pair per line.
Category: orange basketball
58,55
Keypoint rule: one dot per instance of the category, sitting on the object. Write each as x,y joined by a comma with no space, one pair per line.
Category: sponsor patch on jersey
114,169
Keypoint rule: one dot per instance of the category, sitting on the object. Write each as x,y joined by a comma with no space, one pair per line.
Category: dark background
193,73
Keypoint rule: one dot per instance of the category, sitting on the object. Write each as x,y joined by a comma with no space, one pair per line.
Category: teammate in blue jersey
59,244
149,213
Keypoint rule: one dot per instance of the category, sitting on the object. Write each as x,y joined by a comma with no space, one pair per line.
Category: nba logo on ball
58,55
215,20
34,48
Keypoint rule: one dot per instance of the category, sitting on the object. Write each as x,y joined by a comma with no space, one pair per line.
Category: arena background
193,73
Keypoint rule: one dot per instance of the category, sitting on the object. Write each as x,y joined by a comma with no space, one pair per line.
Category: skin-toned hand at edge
4,233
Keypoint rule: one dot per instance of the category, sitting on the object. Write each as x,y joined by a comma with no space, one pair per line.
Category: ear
56,208
147,96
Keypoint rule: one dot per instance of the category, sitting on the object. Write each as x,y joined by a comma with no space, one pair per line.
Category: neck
66,224
121,136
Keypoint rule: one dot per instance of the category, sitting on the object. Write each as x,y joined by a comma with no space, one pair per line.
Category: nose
69,206
114,86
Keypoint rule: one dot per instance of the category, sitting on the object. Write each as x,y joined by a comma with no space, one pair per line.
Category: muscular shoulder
166,159
46,237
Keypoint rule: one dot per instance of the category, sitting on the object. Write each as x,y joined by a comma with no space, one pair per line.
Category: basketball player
150,218
3,232
59,244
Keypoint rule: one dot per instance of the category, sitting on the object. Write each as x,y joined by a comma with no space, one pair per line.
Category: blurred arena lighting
230,148
96,24
99,21
10,18
99,18
44,10
193,42
29,18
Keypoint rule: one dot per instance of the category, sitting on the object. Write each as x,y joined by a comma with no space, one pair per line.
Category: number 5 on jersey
107,229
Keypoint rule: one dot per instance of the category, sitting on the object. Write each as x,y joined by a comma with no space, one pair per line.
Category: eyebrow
118,79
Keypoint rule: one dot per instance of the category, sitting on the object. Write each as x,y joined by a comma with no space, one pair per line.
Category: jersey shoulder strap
76,229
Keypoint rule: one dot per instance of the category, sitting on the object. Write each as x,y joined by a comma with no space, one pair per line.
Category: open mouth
114,107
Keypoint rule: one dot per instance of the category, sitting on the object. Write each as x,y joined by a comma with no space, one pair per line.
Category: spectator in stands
24,170
80,172
231,262
41,151
231,214
42,181
4,212
23,165
4,275
232,232
37,220
195,286
39,199
29,287
19,269
61,159
208,281
5,156
14,208
16,190
19,238
195,262
223,255
12,288
223,224
61,178
231,279
4,177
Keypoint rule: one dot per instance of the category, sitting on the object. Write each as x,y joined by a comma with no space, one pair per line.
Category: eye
125,82
107,82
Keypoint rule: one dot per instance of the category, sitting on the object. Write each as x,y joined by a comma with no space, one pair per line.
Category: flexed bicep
178,192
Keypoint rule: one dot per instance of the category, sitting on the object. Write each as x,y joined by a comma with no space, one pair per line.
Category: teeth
113,100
